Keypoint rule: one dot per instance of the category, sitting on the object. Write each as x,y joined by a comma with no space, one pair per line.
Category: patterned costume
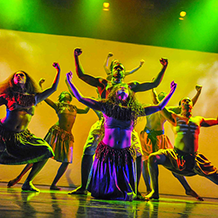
187,164
95,135
113,174
61,142
21,147
59,139
152,141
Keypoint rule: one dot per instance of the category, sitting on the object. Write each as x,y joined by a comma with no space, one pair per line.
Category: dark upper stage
147,22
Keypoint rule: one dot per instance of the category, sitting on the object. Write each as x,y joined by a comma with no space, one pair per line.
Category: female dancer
20,95
113,175
59,136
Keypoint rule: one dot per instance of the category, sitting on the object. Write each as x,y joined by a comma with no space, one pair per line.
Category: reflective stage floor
58,204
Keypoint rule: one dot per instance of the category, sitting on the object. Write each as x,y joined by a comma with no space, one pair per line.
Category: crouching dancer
184,159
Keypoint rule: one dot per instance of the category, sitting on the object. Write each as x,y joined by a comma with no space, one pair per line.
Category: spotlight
182,13
106,6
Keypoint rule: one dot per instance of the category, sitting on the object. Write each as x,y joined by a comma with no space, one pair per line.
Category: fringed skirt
61,142
22,147
113,174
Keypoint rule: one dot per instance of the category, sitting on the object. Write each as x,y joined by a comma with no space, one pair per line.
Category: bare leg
19,177
27,185
59,174
87,161
153,162
139,172
146,176
187,187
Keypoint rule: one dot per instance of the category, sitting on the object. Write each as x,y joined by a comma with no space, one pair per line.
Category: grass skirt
113,175
61,142
22,147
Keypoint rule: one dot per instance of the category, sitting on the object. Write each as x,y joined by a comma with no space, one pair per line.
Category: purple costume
113,174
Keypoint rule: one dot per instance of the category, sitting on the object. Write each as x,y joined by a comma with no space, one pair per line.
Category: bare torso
187,132
155,121
16,120
117,133
67,115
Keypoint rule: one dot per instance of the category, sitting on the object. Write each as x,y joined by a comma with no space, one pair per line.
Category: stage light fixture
106,6
182,13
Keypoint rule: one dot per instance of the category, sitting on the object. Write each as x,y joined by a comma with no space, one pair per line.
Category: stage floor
58,204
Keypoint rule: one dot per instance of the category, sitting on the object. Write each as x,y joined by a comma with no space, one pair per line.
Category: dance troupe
114,154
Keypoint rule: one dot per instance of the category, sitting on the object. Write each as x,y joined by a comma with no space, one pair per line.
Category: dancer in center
113,174
104,87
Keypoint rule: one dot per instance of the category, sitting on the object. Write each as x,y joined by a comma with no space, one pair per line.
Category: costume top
66,108
20,102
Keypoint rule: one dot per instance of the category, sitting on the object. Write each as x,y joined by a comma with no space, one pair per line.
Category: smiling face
19,78
123,92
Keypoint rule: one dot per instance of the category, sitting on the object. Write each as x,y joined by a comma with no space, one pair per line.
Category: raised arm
155,98
87,101
83,111
152,109
47,100
106,67
80,72
134,70
140,87
195,98
43,95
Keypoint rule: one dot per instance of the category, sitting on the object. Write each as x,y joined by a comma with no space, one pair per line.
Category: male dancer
104,87
153,138
184,159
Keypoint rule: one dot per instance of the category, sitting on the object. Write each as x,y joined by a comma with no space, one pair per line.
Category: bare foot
29,187
152,196
139,197
194,194
13,182
78,191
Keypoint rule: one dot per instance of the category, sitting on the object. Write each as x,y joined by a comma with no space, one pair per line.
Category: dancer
17,145
153,138
113,172
59,136
104,87
114,61
184,159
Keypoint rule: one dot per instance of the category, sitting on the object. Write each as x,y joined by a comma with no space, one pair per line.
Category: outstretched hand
198,88
41,81
173,86
77,51
164,62
56,66
142,62
110,54
69,75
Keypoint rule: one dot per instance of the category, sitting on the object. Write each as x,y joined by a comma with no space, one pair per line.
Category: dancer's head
186,104
162,95
65,97
118,73
20,81
120,94
113,62
125,98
